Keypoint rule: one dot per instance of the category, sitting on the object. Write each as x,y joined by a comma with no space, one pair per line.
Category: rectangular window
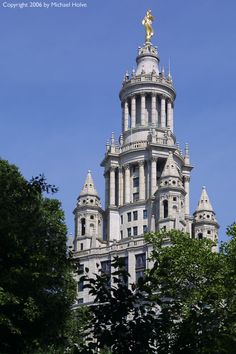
121,234
140,261
145,214
135,215
121,219
144,229
124,265
81,269
106,267
80,285
129,217
80,301
135,197
81,247
136,182
135,230
139,274
140,265
129,231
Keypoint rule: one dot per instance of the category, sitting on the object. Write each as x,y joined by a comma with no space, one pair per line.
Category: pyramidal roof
170,168
204,202
89,186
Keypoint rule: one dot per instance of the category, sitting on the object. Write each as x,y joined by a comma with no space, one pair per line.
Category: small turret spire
186,154
204,203
170,168
89,186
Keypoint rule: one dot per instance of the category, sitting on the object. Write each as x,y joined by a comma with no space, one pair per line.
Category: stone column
121,192
169,113
106,176
163,112
154,109
112,185
133,111
126,116
143,108
186,187
153,175
127,184
123,116
172,118
141,181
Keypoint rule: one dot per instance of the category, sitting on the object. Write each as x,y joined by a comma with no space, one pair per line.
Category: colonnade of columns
161,111
119,188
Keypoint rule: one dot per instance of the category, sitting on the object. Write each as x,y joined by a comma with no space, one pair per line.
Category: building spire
170,168
204,203
89,186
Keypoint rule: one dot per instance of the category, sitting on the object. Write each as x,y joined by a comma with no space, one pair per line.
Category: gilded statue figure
147,23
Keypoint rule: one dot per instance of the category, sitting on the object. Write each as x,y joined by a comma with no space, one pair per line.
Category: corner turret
170,198
205,224
88,217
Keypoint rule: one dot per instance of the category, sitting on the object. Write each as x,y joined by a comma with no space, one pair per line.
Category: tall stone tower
146,176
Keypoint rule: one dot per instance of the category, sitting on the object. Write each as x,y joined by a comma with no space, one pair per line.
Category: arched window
82,226
200,235
165,207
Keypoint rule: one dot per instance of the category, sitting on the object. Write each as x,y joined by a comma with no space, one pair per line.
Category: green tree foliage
36,285
186,303
121,318
189,280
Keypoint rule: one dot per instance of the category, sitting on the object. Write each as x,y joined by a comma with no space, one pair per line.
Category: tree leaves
37,289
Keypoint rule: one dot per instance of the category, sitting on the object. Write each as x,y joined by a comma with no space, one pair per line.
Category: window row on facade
134,218
106,268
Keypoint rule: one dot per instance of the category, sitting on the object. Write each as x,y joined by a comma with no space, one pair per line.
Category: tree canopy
185,304
36,284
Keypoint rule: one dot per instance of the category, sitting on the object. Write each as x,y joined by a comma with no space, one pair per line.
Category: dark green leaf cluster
36,285
185,304
121,320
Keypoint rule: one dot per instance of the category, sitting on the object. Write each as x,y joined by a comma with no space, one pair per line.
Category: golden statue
147,23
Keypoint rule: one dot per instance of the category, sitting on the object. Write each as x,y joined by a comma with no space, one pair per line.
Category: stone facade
146,180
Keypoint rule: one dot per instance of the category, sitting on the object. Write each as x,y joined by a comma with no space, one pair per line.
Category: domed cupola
147,95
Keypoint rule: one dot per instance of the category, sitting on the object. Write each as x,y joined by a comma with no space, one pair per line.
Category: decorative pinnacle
147,23
186,149
112,139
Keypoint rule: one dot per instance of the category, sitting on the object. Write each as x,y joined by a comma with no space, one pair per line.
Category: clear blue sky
61,71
